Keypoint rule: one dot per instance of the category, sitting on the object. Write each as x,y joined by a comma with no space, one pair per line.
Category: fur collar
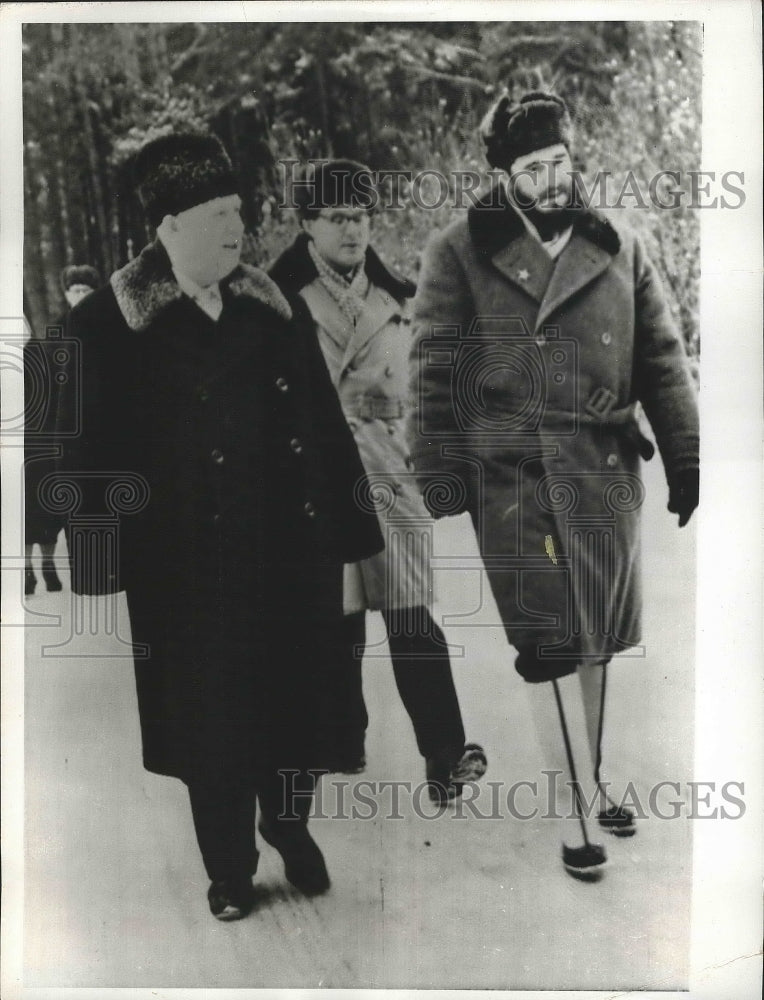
146,286
294,269
494,223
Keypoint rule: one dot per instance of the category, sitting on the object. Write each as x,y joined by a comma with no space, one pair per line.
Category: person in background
556,327
209,420
360,309
41,526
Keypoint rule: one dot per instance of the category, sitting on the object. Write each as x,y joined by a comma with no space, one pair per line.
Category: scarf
349,294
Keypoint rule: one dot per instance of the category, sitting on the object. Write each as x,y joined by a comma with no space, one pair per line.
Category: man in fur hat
539,326
203,387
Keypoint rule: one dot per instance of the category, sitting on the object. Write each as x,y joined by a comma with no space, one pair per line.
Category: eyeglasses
341,219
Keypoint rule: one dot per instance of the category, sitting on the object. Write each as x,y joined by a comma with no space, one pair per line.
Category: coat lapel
328,315
380,307
579,264
500,237
526,264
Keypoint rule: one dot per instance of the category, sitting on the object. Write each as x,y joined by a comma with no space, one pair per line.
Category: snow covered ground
115,888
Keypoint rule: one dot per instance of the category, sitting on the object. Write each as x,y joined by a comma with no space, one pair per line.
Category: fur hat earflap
79,274
178,171
511,129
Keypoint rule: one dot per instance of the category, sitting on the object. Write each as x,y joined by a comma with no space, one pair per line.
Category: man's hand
683,494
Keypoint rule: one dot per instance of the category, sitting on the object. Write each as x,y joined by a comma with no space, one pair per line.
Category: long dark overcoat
368,362
526,373
41,526
239,475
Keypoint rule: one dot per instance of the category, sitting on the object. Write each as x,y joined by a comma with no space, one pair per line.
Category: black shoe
231,899
304,864
586,863
445,779
30,582
438,772
618,820
50,576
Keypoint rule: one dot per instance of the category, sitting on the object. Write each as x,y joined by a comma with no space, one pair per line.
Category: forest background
398,96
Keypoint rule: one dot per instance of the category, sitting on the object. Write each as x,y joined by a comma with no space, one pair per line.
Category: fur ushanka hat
181,170
536,121
79,274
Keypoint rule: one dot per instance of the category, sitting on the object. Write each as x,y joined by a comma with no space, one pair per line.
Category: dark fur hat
79,274
178,171
536,121
334,184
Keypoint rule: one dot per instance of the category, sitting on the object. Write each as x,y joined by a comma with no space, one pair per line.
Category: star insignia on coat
523,274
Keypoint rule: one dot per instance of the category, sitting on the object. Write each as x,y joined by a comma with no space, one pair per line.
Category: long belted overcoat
220,450
369,366
526,372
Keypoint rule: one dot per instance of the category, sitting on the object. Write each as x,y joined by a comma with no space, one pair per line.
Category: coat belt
368,407
621,418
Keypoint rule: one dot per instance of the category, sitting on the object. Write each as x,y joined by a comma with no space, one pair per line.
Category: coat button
353,425
612,460
217,456
216,518
391,428
204,395
606,337
282,385
389,371
296,445
309,509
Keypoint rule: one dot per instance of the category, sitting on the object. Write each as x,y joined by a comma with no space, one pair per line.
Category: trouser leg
30,580
224,821
425,683
593,680
345,718
49,573
563,730
285,799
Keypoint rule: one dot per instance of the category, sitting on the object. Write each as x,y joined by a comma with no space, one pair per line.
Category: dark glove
683,494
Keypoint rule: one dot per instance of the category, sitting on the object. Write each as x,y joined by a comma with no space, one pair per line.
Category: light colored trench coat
526,373
369,366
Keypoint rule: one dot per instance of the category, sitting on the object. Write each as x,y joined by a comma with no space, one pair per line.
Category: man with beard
539,327
208,419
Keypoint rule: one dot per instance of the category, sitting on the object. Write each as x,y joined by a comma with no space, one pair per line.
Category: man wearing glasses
359,307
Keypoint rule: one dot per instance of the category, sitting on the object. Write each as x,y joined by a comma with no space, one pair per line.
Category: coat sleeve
357,527
443,312
662,378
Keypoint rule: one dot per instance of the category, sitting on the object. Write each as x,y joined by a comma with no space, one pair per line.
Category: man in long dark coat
538,329
42,527
207,413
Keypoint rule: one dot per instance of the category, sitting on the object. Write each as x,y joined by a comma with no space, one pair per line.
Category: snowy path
115,889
